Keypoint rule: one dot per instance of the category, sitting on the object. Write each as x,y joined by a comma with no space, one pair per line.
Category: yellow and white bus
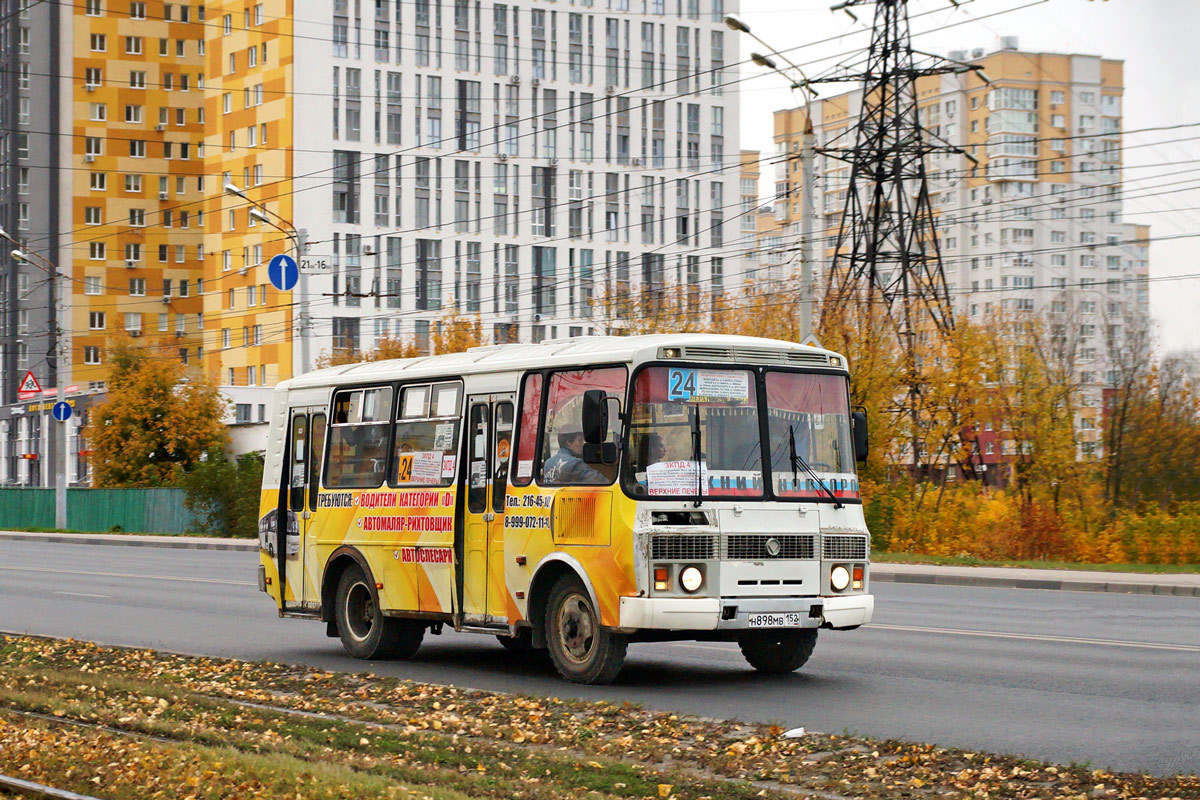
573,495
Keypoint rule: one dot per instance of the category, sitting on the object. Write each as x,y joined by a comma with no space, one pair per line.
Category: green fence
133,510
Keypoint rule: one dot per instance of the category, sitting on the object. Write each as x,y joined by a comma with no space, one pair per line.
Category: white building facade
520,163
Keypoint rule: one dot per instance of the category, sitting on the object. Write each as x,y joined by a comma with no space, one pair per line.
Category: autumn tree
155,424
453,333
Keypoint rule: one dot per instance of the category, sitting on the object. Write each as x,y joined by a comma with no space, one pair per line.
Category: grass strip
243,729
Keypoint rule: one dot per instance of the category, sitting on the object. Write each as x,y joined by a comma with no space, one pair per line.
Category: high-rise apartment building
533,165
1035,227
102,170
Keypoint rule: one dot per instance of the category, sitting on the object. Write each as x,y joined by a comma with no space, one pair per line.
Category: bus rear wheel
582,651
364,630
778,650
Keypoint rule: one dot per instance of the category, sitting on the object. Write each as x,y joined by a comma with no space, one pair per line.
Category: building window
91,354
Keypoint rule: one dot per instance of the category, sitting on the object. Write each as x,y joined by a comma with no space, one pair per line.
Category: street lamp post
263,214
58,438
808,150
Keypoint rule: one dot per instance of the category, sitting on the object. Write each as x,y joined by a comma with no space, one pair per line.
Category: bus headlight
691,579
839,578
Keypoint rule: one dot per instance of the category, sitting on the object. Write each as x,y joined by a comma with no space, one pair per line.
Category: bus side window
358,439
299,468
501,452
316,452
531,408
426,445
477,466
563,441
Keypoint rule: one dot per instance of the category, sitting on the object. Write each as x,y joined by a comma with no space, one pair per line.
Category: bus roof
577,351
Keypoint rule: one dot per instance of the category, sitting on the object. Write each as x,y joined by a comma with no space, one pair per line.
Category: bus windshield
694,432
808,417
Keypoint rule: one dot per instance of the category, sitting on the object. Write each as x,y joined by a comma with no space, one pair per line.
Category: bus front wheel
582,651
364,630
778,650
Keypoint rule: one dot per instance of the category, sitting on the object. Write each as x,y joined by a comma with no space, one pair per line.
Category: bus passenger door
477,514
502,439
311,523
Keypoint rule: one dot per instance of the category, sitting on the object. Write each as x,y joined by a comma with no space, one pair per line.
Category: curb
170,542
1116,587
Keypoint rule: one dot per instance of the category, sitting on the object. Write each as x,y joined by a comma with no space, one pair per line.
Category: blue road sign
283,272
61,411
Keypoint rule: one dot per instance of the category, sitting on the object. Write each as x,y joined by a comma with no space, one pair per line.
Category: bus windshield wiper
798,462
697,454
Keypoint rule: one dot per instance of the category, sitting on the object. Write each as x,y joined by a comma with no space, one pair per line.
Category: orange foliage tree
451,334
154,424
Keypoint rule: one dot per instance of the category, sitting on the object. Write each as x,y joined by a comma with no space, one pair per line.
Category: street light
263,214
807,158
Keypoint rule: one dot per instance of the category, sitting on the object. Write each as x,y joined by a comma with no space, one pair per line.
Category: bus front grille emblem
772,547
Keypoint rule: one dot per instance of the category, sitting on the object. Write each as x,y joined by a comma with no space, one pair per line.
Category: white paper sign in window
679,478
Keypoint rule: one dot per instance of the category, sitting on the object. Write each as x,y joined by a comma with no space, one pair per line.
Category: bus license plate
790,619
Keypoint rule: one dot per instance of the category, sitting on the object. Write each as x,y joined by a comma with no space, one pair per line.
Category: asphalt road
1108,679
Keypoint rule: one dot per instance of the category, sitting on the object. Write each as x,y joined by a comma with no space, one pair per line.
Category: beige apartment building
1036,226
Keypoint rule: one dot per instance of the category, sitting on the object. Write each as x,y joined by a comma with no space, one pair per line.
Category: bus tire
582,651
364,631
778,650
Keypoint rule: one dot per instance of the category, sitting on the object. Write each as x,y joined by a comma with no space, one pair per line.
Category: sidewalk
1178,584
1181,584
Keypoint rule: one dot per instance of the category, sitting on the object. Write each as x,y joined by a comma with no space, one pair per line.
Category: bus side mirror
595,416
858,425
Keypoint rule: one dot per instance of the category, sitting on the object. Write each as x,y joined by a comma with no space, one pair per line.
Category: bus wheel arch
547,573
338,562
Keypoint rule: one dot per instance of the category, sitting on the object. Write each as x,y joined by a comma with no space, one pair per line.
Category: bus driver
566,466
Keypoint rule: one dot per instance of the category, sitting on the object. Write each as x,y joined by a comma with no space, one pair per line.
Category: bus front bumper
712,613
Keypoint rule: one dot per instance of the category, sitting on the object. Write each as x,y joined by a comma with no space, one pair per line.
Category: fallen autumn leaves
214,728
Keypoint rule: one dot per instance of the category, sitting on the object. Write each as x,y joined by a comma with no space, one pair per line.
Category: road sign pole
60,479
301,242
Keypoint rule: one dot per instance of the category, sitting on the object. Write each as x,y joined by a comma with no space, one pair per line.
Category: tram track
24,788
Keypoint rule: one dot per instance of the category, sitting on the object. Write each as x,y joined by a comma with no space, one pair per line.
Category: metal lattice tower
886,248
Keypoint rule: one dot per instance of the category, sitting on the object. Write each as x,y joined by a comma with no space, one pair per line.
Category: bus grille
683,547
844,548
756,547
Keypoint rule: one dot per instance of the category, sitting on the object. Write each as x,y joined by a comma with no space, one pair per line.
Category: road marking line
1036,637
129,575
709,647
86,594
